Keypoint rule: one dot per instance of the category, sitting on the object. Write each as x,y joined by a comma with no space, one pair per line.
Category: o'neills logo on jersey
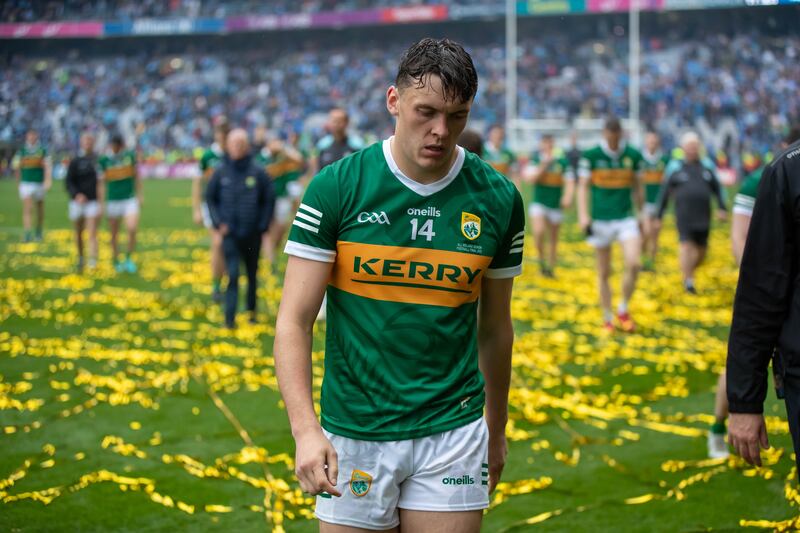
466,479
427,212
408,275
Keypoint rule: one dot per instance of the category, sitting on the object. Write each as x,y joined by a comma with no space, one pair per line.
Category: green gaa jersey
401,354
282,169
548,188
31,162
652,174
209,161
613,177
119,173
501,159
745,199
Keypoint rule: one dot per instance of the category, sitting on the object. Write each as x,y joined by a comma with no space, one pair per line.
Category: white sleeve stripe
520,234
309,218
309,252
520,240
305,226
742,210
503,273
311,210
515,250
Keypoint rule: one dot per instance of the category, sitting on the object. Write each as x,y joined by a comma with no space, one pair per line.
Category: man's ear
392,99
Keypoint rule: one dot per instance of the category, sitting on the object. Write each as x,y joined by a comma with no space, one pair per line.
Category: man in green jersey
208,162
121,191
284,165
550,173
497,154
610,171
33,170
653,164
417,242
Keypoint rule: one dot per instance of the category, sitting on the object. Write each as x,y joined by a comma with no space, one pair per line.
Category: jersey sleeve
315,228
102,164
584,167
507,262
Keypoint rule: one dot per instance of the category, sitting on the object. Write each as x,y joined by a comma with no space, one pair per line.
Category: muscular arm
303,289
495,340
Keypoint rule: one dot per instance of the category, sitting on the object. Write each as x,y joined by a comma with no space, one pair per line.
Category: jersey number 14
426,230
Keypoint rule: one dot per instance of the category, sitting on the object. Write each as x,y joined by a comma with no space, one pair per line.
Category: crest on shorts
360,483
470,225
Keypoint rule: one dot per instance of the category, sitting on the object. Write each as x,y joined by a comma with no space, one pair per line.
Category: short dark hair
793,136
117,139
443,58
548,137
613,125
471,141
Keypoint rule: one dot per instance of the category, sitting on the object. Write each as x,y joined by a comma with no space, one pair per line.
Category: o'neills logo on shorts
463,480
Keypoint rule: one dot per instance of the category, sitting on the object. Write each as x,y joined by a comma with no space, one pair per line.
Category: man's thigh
440,522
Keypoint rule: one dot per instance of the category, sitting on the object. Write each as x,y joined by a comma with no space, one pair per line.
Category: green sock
718,428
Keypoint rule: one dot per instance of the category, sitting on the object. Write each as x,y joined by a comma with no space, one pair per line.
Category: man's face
691,150
87,143
260,136
497,136
337,122
546,145
428,125
237,146
612,137
652,142
116,147
31,138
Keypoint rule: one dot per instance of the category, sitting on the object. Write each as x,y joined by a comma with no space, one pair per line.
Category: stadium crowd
46,10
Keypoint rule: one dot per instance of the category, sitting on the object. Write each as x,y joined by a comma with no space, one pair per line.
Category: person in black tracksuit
766,311
693,182
240,199
84,209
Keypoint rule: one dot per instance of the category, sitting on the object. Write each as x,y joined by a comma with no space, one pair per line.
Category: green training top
30,161
401,353
209,161
548,188
652,174
613,177
282,169
119,173
745,199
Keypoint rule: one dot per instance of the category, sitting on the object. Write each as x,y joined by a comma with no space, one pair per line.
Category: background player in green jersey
497,154
653,165
33,170
122,194
553,180
417,242
285,166
610,171
208,162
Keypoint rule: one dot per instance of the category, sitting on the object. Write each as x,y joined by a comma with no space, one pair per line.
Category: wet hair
471,141
117,139
613,125
443,58
793,136
548,137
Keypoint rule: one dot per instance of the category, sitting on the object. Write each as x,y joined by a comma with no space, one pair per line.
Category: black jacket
240,194
766,312
82,176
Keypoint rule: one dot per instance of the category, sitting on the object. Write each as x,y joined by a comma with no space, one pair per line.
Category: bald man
240,200
692,181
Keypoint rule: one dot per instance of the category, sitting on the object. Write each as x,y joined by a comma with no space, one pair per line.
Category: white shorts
122,208
207,222
33,190
88,209
444,472
605,232
283,210
554,216
651,210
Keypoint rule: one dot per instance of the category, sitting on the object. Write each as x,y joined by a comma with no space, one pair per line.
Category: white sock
608,316
622,307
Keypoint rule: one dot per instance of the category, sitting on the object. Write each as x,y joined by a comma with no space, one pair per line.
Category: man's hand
498,451
140,199
746,432
224,229
197,216
585,222
722,216
316,463
80,198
